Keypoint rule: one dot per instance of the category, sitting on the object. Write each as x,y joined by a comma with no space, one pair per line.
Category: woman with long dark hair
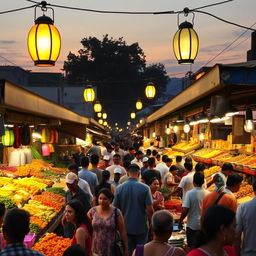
75,213
217,234
106,221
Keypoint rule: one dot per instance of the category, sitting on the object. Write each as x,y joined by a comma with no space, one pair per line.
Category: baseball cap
145,159
106,157
71,177
118,170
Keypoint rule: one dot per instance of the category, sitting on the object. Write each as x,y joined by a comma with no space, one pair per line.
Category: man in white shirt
137,159
109,152
186,182
246,223
116,160
164,167
191,207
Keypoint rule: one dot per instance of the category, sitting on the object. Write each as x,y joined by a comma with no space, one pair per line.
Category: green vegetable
49,173
7,202
56,190
35,153
34,228
164,190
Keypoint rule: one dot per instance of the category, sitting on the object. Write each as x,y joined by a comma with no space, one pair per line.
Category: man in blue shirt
135,201
87,175
15,227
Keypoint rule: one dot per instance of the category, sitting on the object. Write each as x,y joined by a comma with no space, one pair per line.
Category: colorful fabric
18,249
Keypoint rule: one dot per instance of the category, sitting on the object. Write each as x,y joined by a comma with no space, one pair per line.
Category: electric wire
19,9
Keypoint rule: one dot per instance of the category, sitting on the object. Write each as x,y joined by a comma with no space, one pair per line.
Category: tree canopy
117,69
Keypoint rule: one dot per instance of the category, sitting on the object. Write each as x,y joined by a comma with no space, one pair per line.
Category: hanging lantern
104,115
97,107
168,130
141,121
8,138
185,43
201,136
139,105
45,150
150,91
186,128
100,121
154,134
89,94
133,115
175,128
99,115
249,125
44,42
105,123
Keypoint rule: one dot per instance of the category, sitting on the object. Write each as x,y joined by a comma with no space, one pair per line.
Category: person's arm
112,188
150,211
81,237
176,191
184,214
122,230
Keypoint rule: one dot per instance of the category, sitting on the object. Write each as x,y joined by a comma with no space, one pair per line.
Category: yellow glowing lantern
133,115
100,121
44,42
104,115
89,94
150,91
139,105
105,123
99,115
185,43
97,107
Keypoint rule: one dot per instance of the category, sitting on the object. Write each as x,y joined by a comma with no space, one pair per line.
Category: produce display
171,153
186,146
207,153
52,244
212,170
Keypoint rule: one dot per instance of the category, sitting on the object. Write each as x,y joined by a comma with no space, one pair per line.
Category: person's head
74,249
85,161
164,157
188,166
168,162
94,160
72,181
16,225
117,174
154,153
200,167
132,151
126,164
134,171
139,155
218,224
116,159
73,168
174,170
178,159
145,161
152,162
75,213
154,184
188,159
198,179
106,160
158,157
105,197
148,152
105,176
2,212
162,224
152,143
116,147
109,148
227,169
234,182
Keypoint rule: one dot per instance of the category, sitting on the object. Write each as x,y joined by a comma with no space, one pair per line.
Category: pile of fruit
207,153
209,172
52,244
186,146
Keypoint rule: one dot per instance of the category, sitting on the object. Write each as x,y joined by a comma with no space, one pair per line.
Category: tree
117,69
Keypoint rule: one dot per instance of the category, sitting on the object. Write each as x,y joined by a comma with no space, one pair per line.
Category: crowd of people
113,201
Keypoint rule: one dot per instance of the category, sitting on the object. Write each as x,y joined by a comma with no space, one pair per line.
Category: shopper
105,183
124,178
119,151
151,172
106,220
83,184
106,163
162,225
137,159
135,201
148,153
75,214
246,223
222,195
78,155
217,234
94,149
116,164
108,151
169,179
117,176
87,175
130,156
164,166
158,199
15,227
179,166
94,162
191,208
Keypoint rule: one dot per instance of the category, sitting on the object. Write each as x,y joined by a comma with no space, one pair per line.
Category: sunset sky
154,33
